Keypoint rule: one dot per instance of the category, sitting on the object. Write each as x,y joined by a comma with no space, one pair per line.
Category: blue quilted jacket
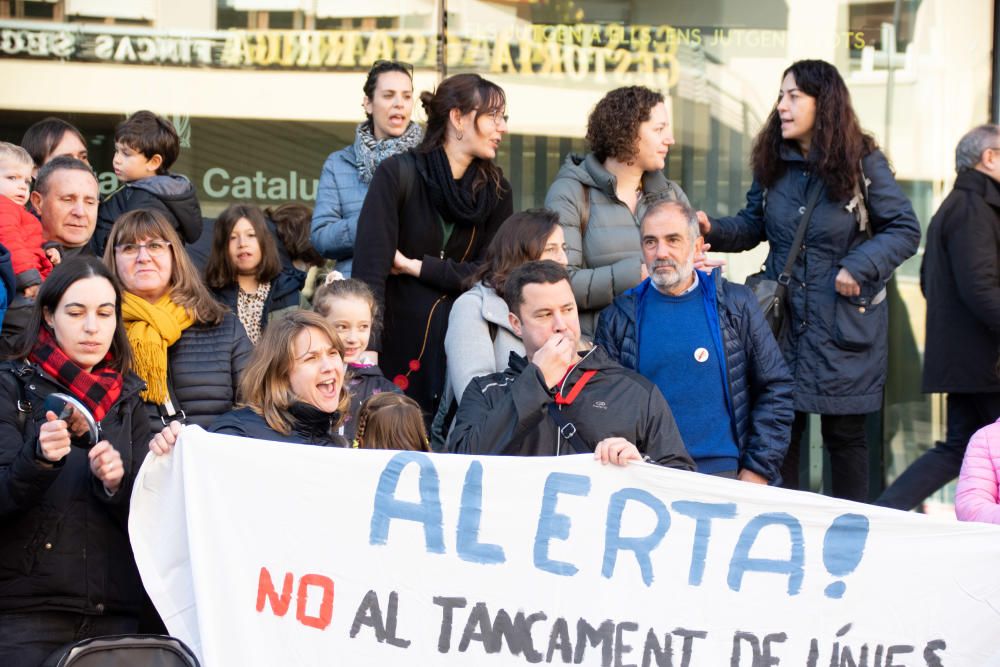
338,204
759,391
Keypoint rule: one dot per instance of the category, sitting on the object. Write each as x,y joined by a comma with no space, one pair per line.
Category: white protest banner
260,553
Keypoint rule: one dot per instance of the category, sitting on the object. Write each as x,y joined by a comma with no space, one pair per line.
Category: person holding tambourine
73,433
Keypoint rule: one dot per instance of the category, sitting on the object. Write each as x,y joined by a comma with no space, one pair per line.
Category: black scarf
453,199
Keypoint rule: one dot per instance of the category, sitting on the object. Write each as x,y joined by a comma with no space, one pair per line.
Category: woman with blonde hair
293,390
189,349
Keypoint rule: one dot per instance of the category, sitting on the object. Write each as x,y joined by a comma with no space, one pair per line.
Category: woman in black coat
293,390
189,349
66,567
835,341
426,221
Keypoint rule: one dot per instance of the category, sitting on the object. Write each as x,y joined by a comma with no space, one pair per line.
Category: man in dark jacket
705,344
960,277
556,400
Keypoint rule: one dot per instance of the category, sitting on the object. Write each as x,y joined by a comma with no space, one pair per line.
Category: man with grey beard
704,342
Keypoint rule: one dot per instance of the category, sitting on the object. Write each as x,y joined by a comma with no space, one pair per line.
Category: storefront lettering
616,53
217,183
161,50
39,43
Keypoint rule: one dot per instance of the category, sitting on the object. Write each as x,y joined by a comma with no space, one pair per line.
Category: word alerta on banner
259,553
561,51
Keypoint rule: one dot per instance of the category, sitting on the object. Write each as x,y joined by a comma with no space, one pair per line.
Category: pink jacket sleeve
977,496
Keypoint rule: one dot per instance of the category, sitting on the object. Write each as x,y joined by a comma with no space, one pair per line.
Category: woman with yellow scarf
189,349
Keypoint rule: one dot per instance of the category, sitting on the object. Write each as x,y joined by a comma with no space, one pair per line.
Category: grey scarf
370,152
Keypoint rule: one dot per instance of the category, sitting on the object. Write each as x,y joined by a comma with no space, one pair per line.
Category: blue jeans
967,413
28,639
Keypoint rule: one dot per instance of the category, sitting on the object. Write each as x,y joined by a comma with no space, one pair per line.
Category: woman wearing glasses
347,173
599,196
189,349
425,224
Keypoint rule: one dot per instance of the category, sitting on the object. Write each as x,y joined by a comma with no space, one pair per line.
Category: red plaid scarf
98,390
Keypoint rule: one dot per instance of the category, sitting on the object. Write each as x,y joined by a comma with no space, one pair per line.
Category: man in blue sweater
704,342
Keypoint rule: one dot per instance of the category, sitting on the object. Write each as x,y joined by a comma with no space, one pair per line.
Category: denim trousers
845,439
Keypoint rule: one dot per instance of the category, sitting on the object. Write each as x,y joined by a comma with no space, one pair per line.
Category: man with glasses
960,277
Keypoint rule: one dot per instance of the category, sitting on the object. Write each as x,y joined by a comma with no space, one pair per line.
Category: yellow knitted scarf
151,329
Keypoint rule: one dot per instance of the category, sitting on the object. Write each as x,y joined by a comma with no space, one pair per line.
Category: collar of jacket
311,421
973,180
594,359
605,181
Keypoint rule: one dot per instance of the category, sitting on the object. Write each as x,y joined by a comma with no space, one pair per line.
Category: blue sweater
685,364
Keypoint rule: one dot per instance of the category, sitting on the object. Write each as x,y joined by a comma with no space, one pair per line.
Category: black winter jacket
172,195
311,426
363,383
203,371
836,347
759,390
64,542
411,341
283,296
960,276
508,413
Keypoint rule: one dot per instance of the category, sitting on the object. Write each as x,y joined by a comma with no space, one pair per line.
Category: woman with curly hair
812,153
599,196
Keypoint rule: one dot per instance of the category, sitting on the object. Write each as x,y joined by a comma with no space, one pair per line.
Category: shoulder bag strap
568,430
800,235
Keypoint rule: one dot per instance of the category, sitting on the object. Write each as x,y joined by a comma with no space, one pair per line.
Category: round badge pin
701,355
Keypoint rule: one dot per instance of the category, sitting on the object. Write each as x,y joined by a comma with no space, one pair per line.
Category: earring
460,135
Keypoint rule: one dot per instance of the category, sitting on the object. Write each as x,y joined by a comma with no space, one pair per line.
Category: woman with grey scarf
388,102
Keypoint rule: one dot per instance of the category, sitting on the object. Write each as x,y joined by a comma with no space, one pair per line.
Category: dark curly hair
838,142
613,126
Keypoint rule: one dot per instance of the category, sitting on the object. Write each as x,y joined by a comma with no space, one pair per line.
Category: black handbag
772,295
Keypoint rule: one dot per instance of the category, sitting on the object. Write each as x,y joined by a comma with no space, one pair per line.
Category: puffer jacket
607,260
338,205
508,413
173,195
960,276
977,497
310,426
759,391
283,297
836,347
363,382
21,234
479,339
203,371
64,542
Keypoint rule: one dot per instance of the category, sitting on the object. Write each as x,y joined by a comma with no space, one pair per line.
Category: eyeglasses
154,248
497,115
387,64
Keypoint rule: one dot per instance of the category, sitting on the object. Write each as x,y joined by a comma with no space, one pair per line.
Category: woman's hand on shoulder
704,224
53,439
106,465
164,441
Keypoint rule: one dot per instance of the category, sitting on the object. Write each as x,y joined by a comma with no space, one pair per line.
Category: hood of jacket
177,194
589,171
494,308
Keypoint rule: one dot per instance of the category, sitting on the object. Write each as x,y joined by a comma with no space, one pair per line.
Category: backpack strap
584,214
407,175
23,404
